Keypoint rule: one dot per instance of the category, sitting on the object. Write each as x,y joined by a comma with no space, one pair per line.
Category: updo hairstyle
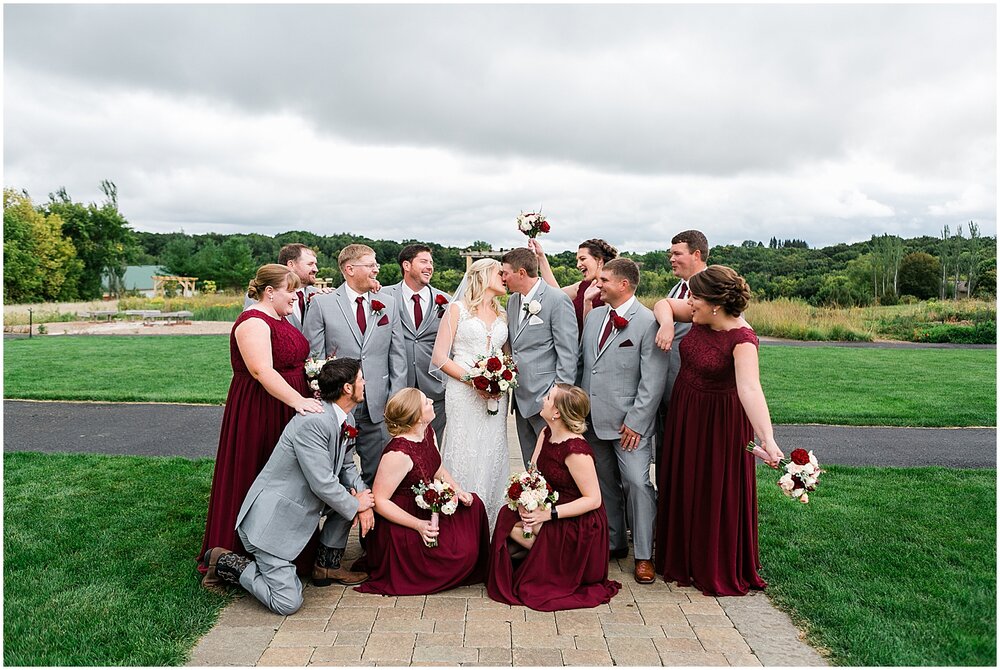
573,405
599,249
272,275
722,286
403,410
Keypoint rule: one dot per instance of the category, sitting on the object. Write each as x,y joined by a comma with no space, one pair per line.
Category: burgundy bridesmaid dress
567,566
251,425
579,300
706,532
399,562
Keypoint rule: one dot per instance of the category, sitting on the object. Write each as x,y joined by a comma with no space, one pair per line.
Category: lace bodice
552,464
707,357
425,457
473,337
289,348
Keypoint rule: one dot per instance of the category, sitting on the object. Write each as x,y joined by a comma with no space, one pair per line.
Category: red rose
797,483
800,456
494,364
514,491
430,496
494,387
544,226
620,322
377,306
481,383
440,300
507,375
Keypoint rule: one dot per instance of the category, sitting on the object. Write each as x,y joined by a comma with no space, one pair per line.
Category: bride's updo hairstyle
403,410
479,278
720,285
272,275
573,406
600,249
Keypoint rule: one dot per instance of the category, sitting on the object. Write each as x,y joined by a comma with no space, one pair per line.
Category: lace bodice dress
474,448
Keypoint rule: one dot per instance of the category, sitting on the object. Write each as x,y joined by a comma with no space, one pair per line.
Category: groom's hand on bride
629,438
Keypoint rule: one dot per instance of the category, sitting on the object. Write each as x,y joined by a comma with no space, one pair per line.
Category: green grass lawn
832,385
887,566
99,559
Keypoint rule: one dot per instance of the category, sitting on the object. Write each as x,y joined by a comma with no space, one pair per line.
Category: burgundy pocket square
626,343
384,321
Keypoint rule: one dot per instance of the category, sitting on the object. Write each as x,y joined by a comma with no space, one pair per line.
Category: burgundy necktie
302,303
362,322
684,290
607,330
418,314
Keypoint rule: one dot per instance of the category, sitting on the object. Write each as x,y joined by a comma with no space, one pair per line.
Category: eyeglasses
370,266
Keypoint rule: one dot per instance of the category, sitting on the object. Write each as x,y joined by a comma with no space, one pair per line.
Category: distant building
137,278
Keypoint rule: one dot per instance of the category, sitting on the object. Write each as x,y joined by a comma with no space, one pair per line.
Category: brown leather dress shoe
341,575
644,572
211,579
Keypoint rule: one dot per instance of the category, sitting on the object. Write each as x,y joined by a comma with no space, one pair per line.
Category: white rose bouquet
530,490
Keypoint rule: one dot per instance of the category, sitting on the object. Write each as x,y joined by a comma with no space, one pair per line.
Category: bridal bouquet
494,373
532,223
802,473
313,368
530,489
438,497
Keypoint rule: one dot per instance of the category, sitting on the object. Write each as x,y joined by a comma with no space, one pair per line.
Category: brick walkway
648,625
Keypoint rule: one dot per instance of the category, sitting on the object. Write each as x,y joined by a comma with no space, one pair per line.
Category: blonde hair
478,279
403,410
573,405
353,252
272,275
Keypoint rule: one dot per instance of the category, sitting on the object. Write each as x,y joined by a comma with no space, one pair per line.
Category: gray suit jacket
307,472
546,352
292,318
624,379
680,330
420,341
332,329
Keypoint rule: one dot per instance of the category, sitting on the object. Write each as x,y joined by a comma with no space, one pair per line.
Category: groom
542,332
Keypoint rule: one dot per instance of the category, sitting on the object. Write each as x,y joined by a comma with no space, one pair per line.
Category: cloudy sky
827,123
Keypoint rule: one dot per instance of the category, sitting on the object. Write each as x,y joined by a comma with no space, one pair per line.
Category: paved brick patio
644,625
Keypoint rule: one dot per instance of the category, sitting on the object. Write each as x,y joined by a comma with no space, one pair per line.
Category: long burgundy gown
567,566
580,300
706,524
251,425
399,562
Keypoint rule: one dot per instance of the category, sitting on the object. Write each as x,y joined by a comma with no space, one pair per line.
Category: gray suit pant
528,430
372,438
627,492
336,529
440,420
271,580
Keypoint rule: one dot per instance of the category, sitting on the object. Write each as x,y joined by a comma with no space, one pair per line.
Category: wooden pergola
186,284
472,255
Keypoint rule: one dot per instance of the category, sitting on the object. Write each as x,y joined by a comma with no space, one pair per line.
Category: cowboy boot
328,569
209,561
230,566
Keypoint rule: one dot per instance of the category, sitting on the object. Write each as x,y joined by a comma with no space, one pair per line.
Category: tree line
62,250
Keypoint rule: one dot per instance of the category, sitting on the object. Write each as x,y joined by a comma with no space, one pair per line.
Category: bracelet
555,512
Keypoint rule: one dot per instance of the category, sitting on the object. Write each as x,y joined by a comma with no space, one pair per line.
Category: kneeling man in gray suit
311,470
622,370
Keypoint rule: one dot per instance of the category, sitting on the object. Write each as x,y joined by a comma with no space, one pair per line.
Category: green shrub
980,333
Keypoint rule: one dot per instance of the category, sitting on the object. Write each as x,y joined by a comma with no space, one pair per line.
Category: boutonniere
619,322
532,308
441,303
377,307
348,433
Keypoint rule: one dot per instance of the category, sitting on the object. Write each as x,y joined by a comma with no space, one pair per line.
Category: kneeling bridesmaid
564,564
399,558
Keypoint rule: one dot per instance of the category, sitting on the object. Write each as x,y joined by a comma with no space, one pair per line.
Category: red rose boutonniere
441,303
377,307
348,434
619,322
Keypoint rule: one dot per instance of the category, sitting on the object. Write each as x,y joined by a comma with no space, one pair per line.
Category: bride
474,449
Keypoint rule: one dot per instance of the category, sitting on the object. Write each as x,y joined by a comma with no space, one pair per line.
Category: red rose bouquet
313,367
802,472
530,490
532,223
438,497
494,373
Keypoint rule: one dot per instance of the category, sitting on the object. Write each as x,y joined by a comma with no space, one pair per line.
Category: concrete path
192,431
646,625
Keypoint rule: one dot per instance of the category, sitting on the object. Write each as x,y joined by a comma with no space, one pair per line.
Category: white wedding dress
474,449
